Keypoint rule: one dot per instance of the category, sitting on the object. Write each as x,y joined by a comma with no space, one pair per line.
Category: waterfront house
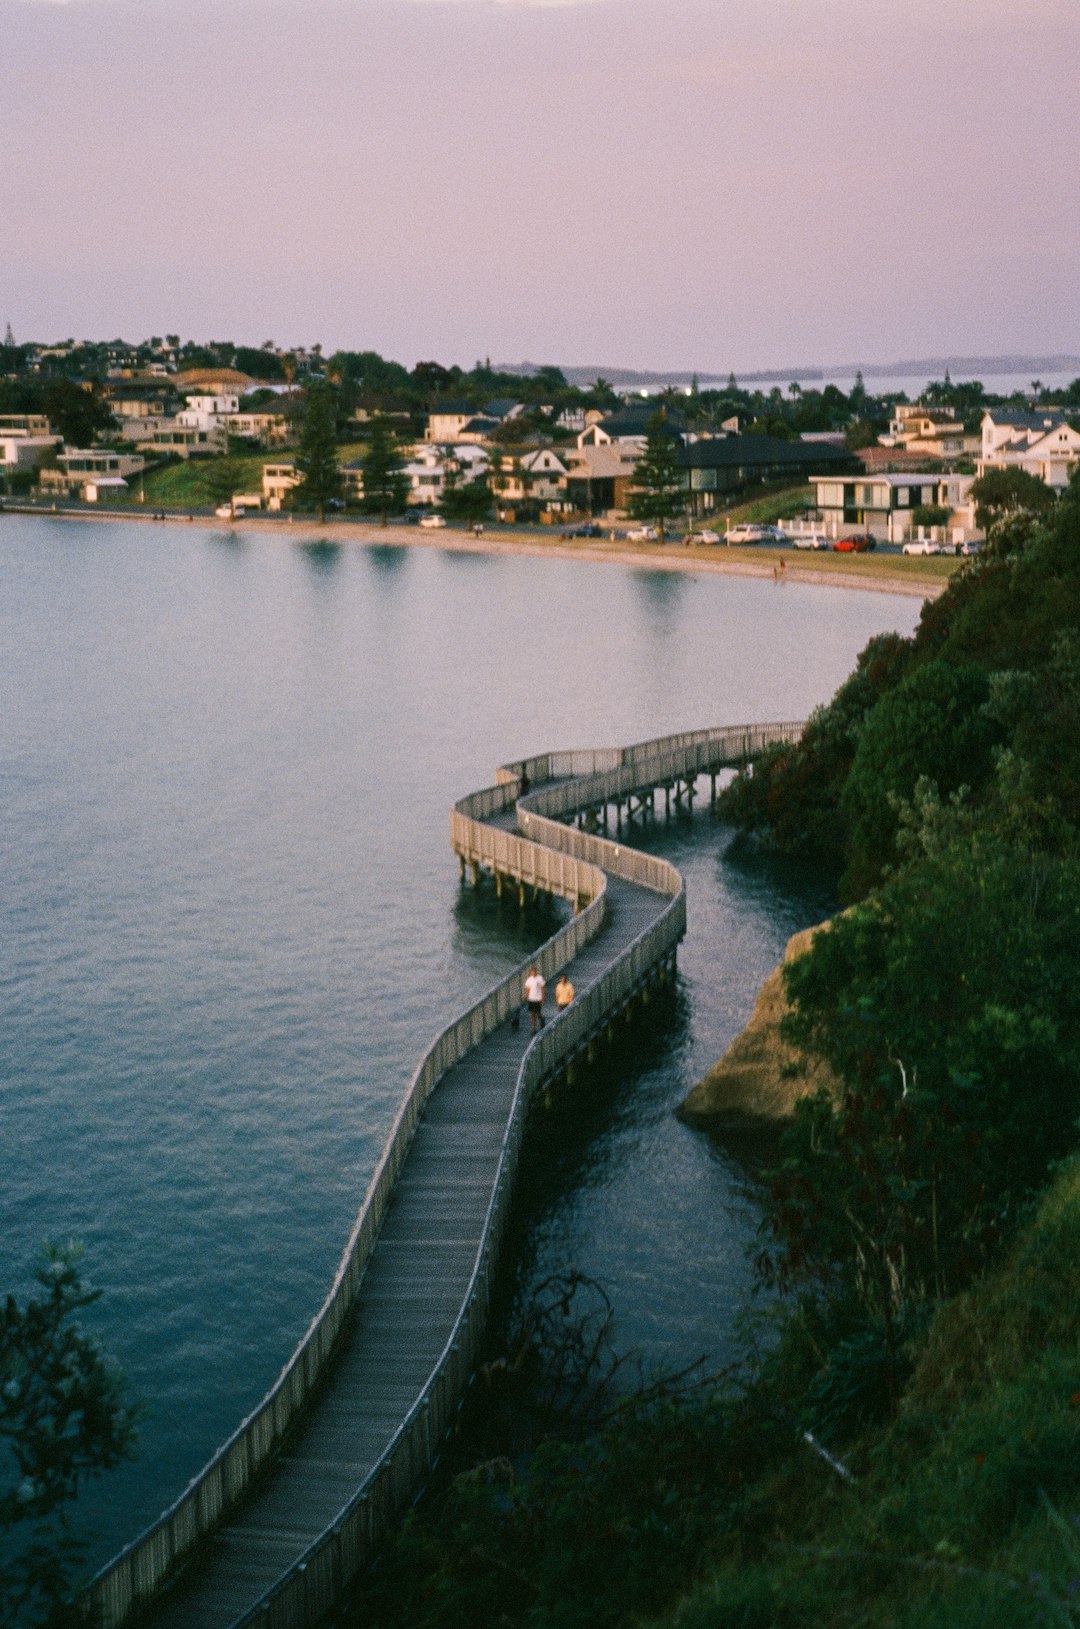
87,471
1043,443
600,478
27,442
22,454
278,480
882,505
717,467
531,481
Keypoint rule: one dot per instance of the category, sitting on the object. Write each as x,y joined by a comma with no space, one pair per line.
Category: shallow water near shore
232,920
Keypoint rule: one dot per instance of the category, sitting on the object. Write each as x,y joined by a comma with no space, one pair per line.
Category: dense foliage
63,1421
317,457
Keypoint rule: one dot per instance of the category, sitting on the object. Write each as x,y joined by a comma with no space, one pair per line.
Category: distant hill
966,367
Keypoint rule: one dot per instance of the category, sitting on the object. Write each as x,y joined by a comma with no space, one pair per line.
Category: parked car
809,540
588,528
643,534
861,544
970,547
430,522
224,511
774,534
706,536
921,545
746,533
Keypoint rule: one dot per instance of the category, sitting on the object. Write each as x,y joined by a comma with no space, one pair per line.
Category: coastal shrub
792,794
934,725
948,1008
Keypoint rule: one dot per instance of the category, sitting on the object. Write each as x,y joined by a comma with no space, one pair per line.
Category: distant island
931,366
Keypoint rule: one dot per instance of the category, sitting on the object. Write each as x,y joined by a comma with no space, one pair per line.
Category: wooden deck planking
407,1306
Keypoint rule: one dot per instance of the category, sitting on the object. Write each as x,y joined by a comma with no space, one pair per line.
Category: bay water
232,921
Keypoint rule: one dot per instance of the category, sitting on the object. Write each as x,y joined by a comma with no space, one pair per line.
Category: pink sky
644,183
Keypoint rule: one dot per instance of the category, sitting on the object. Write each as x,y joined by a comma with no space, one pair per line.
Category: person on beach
534,999
564,992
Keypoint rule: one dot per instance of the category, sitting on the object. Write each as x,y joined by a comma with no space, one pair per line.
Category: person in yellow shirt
564,992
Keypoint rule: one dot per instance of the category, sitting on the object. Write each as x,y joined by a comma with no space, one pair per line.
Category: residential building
139,396
1042,443
87,472
19,453
24,424
165,437
446,420
719,466
267,429
929,432
531,480
503,408
205,412
882,505
428,470
600,478
629,426
215,382
478,430
278,480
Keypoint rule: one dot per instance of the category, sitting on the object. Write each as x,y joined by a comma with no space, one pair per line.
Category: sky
656,184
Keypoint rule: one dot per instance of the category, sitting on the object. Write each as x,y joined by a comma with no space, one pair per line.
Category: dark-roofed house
717,467
630,425
447,419
503,408
477,430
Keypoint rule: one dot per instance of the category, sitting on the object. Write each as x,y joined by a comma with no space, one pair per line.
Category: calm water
232,920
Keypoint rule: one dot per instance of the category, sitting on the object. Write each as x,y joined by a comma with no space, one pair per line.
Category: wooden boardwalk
289,1510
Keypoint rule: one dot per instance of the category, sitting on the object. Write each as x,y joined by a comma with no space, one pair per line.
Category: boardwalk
290,1508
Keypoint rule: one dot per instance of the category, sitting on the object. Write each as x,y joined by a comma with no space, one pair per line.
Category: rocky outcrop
760,1078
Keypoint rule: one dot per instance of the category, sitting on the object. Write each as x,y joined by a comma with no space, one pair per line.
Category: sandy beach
888,574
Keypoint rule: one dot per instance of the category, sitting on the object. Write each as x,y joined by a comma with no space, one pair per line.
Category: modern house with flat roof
84,471
882,505
718,467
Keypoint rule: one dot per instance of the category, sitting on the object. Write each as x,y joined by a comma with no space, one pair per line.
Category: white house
207,412
26,452
278,480
882,505
1042,443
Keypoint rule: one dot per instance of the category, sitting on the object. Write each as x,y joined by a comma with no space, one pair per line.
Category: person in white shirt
534,999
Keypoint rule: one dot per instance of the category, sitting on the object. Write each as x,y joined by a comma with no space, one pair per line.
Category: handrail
564,861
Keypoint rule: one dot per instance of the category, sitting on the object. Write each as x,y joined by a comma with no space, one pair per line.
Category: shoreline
648,556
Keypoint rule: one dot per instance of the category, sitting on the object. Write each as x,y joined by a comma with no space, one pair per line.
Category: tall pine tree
659,490
316,458
386,485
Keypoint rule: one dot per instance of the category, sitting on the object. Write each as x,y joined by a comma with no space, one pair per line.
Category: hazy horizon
707,185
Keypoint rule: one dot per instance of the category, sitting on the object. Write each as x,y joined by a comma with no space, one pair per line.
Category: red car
854,545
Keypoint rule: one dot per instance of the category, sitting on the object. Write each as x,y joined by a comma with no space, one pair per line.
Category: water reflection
228,543
321,554
388,559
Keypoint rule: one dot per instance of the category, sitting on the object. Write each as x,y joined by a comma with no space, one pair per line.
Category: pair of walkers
535,988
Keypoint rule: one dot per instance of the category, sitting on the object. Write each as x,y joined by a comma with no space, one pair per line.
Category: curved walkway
289,1510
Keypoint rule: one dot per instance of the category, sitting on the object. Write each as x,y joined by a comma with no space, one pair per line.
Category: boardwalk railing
563,861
